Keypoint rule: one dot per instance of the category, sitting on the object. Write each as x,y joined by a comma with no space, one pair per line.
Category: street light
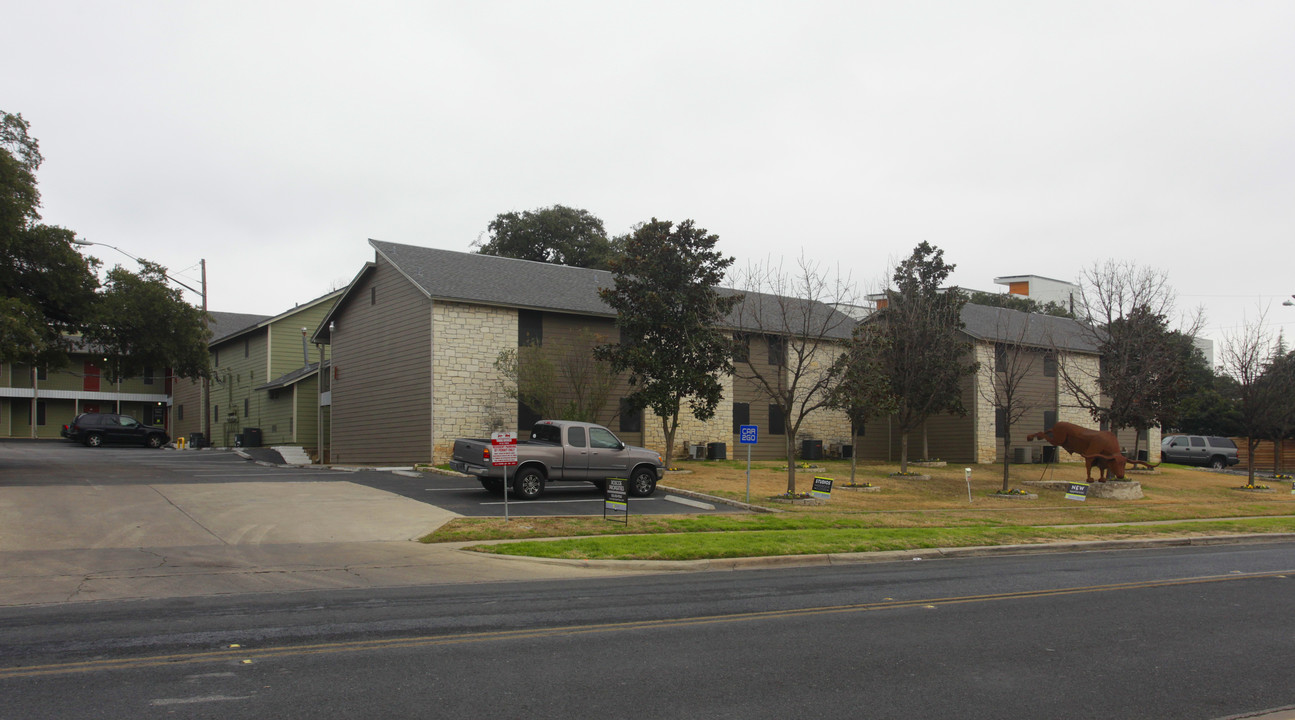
206,382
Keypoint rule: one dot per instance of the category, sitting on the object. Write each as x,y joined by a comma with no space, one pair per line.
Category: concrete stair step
293,454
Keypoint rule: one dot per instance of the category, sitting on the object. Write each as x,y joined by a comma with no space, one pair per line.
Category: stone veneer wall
982,413
691,430
830,426
468,397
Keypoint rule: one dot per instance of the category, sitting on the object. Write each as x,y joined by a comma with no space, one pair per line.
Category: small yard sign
822,488
617,500
1077,491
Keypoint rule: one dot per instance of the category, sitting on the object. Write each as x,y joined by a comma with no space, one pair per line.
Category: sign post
748,436
503,453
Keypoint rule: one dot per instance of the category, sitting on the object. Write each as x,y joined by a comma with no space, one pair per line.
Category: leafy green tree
1278,384
1018,302
1210,409
559,234
927,355
47,286
668,311
140,320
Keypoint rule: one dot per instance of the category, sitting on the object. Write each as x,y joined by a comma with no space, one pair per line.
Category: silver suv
1209,450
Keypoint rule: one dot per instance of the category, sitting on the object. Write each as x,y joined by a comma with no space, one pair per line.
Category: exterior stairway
292,454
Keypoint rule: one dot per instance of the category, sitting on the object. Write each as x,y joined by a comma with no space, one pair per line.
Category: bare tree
796,312
1245,356
1145,366
1015,366
862,390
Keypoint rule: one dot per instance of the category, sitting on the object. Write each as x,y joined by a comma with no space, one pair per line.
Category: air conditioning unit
697,451
1020,455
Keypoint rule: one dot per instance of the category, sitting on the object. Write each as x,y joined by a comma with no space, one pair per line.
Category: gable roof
508,282
241,323
224,324
997,324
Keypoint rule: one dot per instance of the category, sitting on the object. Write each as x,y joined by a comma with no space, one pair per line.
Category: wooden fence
1264,454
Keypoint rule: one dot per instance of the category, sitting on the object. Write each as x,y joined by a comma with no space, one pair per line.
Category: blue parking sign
749,434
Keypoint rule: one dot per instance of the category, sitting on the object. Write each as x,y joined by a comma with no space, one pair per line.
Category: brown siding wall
382,394
770,446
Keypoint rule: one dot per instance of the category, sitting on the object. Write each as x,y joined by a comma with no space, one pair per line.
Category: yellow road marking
246,655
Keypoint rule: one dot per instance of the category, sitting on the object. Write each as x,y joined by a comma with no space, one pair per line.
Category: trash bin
1049,453
811,449
251,437
847,451
197,440
716,451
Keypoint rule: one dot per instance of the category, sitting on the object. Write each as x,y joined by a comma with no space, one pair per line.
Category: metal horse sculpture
1098,447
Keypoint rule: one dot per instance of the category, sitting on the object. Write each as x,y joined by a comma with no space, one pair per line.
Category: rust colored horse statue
1098,447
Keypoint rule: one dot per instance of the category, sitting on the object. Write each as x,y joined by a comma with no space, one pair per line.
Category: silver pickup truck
562,450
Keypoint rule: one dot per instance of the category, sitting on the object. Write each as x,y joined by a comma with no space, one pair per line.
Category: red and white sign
503,448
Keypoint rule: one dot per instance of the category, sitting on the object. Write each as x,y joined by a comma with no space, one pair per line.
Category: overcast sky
274,138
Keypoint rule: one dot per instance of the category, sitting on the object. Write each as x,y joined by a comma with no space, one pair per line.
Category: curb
882,556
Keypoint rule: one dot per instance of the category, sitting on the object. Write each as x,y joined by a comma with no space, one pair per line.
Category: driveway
81,523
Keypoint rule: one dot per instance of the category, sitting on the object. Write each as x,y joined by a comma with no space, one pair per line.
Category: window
530,328
373,294
1049,419
216,358
602,438
526,417
247,346
777,425
860,429
245,412
1050,365
576,437
777,350
1000,358
741,416
547,433
179,412
1000,422
40,412
215,413
42,373
631,417
741,348
1198,441
148,375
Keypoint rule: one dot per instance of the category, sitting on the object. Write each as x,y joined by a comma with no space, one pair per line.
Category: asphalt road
1176,633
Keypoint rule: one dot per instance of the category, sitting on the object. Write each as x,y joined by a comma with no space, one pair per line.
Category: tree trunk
854,453
791,464
669,425
903,452
1250,461
1007,460
926,449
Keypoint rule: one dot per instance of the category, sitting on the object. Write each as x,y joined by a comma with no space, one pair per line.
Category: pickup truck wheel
529,484
643,482
493,485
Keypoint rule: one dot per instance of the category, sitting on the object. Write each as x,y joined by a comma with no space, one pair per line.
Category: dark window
576,437
603,439
526,417
777,426
1049,419
245,412
777,350
1198,441
1221,442
179,412
1049,365
373,295
40,412
741,348
1000,422
216,355
621,337
631,417
530,328
215,413
148,375
247,346
42,373
1000,358
546,433
741,416
860,429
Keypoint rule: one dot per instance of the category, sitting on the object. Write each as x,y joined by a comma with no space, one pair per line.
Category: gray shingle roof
285,380
224,324
492,280
1033,329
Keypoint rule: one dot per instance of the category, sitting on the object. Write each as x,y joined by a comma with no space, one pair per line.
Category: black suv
95,429
1216,452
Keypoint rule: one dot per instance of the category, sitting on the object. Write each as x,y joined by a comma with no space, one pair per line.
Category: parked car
562,450
95,429
1208,450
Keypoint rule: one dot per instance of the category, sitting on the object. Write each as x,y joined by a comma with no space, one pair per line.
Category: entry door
91,380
